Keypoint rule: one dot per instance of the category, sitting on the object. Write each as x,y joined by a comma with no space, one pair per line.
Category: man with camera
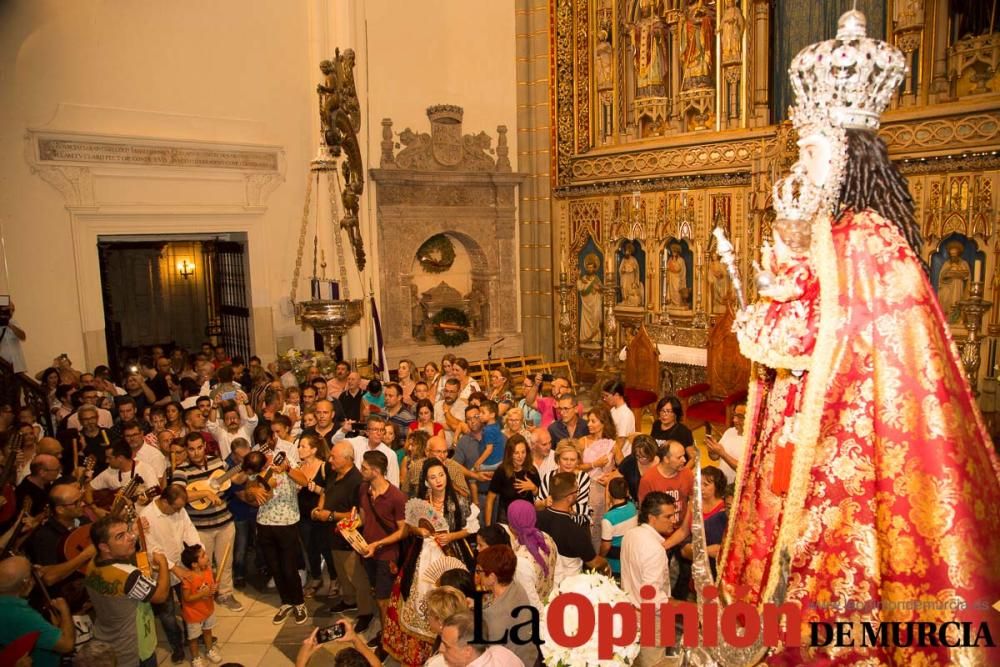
11,336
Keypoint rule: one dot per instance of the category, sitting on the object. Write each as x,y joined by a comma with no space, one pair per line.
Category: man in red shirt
383,508
670,476
674,478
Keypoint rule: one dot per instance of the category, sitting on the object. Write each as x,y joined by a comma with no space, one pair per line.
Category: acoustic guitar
141,554
263,481
114,500
75,543
9,540
8,479
218,482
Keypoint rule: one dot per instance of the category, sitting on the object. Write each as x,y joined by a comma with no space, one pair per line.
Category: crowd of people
200,475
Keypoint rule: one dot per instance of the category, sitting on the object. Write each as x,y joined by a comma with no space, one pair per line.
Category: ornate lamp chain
337,231
302,237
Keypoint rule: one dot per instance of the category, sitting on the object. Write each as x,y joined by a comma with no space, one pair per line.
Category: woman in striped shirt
568,460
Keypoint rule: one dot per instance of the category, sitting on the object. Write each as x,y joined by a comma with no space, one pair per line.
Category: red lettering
555,619
710,616
607,638
740,616
773,634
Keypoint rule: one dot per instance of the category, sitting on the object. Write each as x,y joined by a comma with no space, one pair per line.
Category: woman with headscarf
536,552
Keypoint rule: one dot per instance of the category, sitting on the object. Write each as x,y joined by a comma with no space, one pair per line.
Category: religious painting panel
631,260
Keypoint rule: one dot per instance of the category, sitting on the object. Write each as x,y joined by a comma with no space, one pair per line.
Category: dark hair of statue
872,181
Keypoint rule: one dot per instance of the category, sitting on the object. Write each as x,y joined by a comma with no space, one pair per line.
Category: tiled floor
250,639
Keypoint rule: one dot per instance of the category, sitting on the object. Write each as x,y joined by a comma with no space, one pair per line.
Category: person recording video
11,336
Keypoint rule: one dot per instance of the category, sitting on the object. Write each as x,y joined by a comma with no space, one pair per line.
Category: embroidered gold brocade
895,493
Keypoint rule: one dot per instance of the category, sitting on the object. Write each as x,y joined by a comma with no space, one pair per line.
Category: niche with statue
446,239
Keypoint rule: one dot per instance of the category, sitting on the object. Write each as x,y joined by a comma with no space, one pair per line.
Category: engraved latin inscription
61,150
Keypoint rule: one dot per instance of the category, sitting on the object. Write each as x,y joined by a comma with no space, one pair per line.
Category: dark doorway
174,291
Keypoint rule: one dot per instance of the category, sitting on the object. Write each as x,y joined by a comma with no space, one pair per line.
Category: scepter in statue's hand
724,249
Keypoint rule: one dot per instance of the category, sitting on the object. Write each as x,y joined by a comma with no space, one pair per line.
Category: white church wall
225,72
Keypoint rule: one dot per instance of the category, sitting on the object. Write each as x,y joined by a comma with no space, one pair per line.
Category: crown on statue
847,81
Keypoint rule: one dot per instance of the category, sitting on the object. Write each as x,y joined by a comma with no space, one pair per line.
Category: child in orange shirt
198,604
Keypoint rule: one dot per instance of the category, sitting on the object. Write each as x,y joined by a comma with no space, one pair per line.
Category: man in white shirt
614,396
450,410
361,444
120,471
170,528
541,451
236,423
89,396
143,452
167,529
729,447
458,649
644,561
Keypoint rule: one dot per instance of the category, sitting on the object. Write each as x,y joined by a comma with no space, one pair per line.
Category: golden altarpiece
667,122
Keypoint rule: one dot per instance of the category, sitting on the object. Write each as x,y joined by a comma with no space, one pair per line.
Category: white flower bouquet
300,361
598,589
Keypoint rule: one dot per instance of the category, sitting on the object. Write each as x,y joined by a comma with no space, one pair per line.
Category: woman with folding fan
444,525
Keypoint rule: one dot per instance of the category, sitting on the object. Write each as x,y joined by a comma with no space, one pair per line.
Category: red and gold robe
892,507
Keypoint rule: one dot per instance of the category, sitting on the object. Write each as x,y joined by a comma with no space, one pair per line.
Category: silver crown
847,81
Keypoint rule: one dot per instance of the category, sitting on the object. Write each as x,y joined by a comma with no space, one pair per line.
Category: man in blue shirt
569,424
17,618
468,450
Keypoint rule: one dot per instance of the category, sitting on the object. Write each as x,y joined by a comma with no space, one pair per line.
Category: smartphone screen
329,633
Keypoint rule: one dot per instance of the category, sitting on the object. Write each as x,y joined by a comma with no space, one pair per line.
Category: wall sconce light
185,268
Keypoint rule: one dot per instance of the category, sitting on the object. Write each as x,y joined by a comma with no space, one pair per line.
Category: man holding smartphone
341,631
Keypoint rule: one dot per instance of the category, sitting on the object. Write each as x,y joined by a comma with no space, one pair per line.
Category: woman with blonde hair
442,602
513,424
568,460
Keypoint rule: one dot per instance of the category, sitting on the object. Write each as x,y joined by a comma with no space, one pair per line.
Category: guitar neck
229,474
142,555
10,461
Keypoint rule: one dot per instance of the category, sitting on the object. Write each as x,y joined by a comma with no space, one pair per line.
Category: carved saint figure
718,279
628,277
696,42
676,278
732,32
418,314
955,273
591,301
476,312
648,46
603,58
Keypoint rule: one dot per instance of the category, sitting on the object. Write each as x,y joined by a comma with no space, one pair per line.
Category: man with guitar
169,530
122,595
121,470
276,494
214,522
144,452
93,441
59,572
45,470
